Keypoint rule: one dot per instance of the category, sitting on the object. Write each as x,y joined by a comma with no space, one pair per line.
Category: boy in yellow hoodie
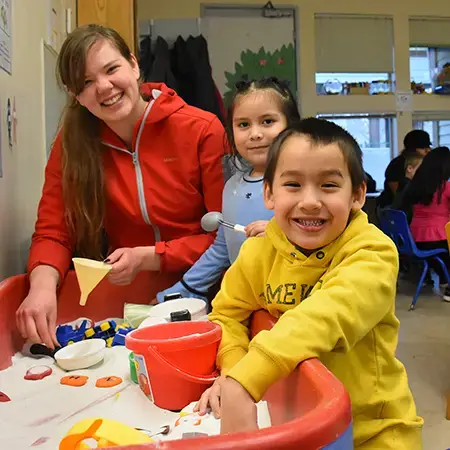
330,278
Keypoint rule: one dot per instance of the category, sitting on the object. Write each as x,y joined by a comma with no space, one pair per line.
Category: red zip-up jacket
156,194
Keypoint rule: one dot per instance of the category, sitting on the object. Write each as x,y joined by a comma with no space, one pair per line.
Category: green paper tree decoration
280,64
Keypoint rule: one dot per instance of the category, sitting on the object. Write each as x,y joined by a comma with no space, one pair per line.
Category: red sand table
310,409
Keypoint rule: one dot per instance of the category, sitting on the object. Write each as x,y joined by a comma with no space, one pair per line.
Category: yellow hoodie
337,305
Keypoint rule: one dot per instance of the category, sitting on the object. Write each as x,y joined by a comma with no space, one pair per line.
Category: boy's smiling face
312,194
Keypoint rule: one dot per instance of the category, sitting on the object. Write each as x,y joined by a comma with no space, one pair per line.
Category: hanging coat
161,71
145,58
184,71
204,87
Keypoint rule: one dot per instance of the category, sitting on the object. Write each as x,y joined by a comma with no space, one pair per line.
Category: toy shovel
89,274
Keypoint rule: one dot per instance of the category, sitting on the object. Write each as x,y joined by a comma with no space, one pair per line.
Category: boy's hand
211,398
237,408
257,228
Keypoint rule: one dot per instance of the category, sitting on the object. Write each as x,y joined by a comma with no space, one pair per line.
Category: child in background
412,163
426,202
330,277
260,110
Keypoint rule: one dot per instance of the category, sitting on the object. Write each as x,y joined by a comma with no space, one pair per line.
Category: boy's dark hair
430,177
319,132
413,159
288,104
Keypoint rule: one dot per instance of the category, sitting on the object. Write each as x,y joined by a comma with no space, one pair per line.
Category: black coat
184,71
145,58
204,89
161,69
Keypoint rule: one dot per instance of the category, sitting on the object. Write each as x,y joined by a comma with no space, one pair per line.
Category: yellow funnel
89,274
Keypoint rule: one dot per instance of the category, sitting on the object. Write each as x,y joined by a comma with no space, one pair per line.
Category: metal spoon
211,221
165,429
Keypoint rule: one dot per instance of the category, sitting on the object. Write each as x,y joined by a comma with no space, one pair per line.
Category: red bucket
175,361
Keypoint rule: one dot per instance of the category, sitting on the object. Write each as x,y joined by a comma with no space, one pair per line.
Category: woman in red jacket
133,160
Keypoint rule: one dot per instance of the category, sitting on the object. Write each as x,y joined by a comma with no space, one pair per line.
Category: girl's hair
288,106
82,170
319,132
430,178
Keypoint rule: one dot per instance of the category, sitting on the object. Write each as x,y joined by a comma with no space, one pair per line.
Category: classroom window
421,61
429,54
376,83
439,131
354,54
374,136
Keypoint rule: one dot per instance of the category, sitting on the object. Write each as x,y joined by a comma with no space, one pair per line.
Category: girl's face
111,89
257,121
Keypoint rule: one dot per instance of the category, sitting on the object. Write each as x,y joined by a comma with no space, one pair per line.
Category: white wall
23,165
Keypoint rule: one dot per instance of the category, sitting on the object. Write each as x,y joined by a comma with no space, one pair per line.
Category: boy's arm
354,298
204,273
232,308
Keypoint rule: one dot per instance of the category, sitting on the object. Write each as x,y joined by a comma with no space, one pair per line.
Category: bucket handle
187,376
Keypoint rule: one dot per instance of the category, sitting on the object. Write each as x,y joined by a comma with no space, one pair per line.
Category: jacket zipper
139,177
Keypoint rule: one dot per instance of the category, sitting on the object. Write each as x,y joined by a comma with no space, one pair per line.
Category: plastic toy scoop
107,433
89,274
211,221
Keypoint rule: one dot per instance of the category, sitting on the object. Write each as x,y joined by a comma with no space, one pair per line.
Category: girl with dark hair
260,110
428,198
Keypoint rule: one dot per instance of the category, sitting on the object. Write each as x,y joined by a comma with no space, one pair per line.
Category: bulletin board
242,43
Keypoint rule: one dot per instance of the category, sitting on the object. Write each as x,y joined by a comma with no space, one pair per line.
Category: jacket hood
166,103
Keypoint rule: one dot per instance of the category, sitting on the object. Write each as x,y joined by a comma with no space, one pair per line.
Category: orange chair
447,232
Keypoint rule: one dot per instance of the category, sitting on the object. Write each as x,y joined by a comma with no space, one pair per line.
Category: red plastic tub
310,409
181,355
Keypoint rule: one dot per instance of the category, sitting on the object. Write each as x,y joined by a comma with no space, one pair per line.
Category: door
117,14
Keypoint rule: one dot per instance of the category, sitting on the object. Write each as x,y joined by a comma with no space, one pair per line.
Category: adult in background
415,141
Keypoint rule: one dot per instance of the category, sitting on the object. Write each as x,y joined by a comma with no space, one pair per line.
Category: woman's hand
128,262
210,398
257,228
237,408
36,317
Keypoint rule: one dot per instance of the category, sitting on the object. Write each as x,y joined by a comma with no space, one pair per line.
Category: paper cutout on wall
279,63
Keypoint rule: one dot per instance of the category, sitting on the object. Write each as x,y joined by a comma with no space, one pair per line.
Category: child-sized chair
395,224
447,232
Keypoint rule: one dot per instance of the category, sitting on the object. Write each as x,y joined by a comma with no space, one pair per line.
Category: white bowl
81,355
196,307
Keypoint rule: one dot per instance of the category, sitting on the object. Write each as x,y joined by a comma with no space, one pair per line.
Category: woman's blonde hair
82,168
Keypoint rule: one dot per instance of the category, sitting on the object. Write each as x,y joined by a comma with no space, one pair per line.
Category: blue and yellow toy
67,334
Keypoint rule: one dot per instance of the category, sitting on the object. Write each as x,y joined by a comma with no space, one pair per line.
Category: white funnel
89,274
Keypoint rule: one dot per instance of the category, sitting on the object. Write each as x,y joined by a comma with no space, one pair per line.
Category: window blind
429,32
350,43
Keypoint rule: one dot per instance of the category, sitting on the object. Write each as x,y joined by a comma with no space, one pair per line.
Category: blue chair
395,224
